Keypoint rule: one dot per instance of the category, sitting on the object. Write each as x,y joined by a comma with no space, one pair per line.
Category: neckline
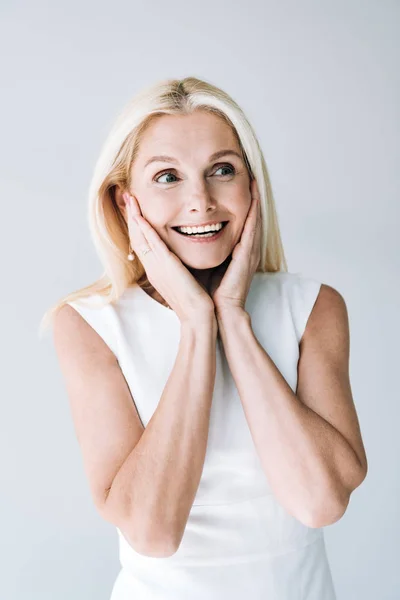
158,306
153,302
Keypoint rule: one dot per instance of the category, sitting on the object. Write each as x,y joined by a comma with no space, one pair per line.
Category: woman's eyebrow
165,158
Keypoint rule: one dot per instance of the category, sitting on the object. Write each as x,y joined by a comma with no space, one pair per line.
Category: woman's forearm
309,464
160,477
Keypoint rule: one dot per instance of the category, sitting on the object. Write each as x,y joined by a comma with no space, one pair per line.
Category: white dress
239,542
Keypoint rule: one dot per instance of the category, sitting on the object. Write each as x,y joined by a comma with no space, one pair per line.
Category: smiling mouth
205,234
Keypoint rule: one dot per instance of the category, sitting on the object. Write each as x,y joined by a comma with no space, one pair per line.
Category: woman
209,386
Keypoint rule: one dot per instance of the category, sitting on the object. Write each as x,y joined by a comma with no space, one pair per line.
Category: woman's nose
200,198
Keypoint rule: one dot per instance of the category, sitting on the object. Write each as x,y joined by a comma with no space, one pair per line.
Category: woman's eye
232,169
229,167
162,175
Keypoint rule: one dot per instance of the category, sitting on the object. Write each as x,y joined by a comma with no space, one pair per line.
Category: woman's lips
203,240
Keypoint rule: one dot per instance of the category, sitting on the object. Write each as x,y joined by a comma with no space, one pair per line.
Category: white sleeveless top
239,541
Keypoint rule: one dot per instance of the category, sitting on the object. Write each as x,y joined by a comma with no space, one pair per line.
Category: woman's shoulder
97,311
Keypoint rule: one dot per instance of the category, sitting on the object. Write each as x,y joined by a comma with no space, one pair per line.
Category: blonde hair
106,223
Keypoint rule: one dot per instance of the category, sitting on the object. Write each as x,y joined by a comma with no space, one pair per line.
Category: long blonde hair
113,168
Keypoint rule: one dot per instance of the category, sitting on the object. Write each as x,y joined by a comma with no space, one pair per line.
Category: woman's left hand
231,291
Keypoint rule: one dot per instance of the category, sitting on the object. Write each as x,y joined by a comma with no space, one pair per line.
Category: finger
152,237
136,235
258,217
251,235
256,195
258,226
255,192
132,204
252,219
141,228
255,201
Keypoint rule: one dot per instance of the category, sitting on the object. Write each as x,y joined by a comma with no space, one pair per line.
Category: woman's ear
120,201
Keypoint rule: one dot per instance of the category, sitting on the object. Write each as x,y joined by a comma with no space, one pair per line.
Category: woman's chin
203,263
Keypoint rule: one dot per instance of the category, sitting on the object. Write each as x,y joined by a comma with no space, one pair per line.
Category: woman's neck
202,276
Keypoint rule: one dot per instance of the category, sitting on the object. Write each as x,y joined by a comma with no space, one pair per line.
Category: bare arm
161,475
309,442
153,473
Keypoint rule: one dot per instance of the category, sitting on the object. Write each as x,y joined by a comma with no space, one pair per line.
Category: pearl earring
131,256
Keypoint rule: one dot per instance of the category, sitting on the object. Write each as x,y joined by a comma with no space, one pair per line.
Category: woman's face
191,187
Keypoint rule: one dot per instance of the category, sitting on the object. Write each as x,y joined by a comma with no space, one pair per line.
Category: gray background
319,81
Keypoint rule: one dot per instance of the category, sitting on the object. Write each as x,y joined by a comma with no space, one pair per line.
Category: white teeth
205,229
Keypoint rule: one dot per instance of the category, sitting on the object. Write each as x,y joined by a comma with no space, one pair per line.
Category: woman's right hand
165,271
